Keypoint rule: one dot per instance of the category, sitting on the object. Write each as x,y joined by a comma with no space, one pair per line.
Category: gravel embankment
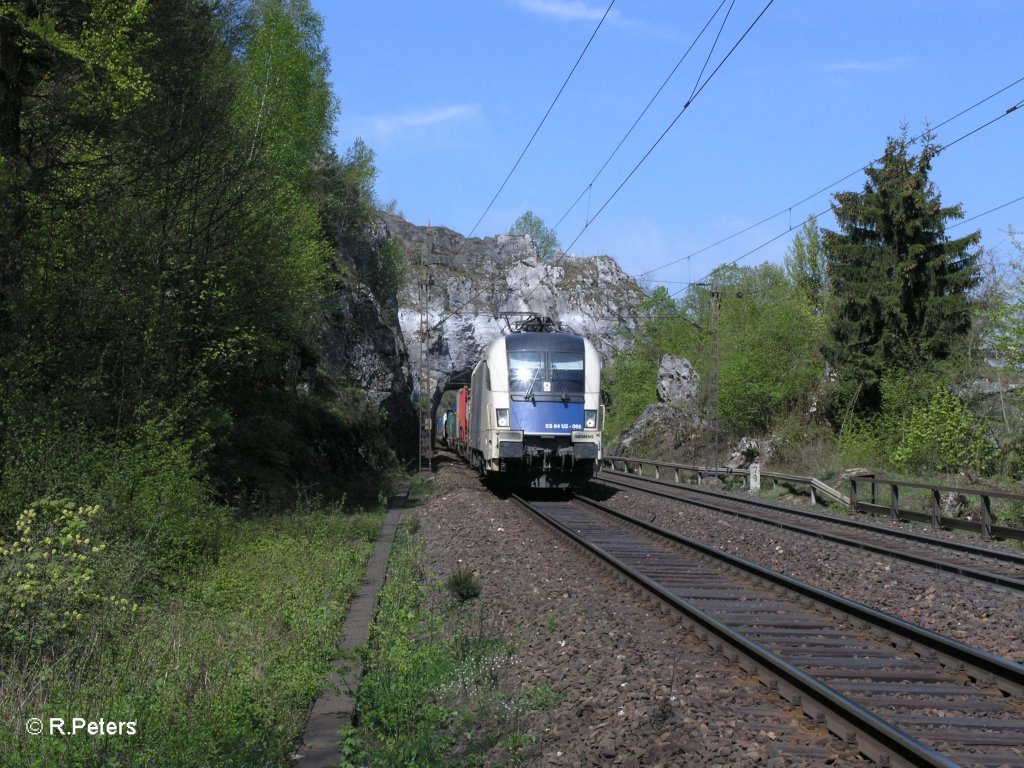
984,616
635,689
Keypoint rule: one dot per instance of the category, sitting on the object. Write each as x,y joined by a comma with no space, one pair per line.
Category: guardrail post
657,472
894,501
676,474
814,498
986,515
853,495
936,505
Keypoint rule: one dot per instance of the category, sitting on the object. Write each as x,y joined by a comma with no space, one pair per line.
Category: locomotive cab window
567,368
524,369
545,374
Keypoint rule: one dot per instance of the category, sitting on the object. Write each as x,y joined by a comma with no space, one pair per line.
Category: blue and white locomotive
536,413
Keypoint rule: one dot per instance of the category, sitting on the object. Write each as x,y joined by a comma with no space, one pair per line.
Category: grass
436,690
220,673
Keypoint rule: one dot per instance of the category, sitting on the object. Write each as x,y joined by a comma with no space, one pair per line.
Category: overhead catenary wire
471,299
697,91
643,112
785,232
851,174
542,120
986,213
698,88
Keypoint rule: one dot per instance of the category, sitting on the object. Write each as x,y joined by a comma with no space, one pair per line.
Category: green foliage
899,286
1006,312
312,445
158,515
940,436
807,265
350,211
431,696
284,104
46,575
921,427
543,236
769,339
464,585
223,671
769,347
631,381
404,664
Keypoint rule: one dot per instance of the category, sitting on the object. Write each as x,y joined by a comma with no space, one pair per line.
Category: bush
940,436
156,514
219,673
46,574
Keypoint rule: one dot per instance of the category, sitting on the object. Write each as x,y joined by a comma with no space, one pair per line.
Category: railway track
902,695
1004,569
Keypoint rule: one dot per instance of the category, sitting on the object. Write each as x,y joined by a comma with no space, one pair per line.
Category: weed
434,690
464,585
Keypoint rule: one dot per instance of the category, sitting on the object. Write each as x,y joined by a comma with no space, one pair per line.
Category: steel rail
878,739
1009,675
1004,558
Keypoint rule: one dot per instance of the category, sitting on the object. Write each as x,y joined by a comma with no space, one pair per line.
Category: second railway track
906,695
1004,569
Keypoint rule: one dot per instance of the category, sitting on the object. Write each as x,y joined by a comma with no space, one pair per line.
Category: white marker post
755,477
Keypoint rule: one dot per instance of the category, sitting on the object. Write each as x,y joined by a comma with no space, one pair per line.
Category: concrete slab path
336,705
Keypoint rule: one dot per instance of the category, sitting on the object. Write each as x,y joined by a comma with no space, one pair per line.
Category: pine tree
899,285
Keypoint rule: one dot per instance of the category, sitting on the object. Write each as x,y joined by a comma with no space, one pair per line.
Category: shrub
46,574
940,436
157,509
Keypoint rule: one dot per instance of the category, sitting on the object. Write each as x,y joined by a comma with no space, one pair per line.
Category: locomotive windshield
567,367
540,374
523,368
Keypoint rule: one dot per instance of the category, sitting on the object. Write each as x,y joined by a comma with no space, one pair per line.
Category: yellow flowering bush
46,573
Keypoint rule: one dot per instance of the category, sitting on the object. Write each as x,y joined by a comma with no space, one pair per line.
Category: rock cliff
468,289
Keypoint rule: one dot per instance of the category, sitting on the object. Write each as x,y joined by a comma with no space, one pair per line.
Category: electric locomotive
534,411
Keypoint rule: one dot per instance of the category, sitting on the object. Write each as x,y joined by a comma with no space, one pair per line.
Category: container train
532,414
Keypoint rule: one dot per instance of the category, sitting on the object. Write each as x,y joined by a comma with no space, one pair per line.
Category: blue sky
448,92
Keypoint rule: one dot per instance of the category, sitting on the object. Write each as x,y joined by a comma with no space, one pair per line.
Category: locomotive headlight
590,419
502,414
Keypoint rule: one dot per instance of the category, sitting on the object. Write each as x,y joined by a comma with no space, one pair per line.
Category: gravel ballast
633,687
978,614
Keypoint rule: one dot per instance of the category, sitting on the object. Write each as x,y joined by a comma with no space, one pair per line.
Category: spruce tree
899,285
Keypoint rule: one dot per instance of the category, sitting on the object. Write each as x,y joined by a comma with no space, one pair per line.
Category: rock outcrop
673,426
678,382
468,290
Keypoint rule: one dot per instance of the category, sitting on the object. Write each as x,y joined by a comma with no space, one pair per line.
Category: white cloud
385,125
565,10
860,65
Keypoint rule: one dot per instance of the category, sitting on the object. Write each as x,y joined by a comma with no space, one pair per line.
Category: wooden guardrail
864,495
929,502
816,489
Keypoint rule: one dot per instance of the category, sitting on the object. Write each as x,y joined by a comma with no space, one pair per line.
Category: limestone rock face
468,290
677,380
361,347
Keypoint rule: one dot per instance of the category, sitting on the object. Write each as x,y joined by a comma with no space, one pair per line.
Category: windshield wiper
565,391
529,390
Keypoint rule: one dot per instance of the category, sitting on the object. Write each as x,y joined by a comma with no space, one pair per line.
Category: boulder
677,380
